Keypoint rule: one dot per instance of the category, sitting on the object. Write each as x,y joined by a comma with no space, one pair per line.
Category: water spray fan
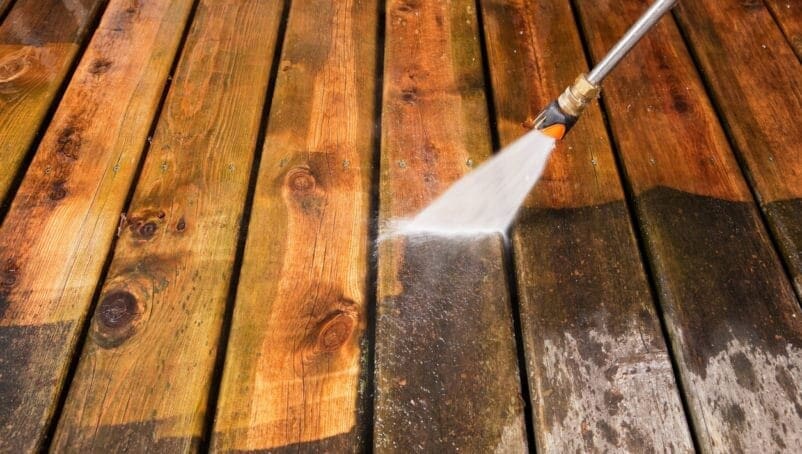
487,199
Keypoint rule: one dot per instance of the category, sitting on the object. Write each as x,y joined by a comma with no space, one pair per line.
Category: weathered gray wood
734,323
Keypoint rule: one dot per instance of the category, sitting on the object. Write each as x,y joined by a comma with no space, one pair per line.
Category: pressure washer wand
559,116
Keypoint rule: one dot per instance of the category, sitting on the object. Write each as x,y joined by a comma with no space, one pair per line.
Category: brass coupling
578,95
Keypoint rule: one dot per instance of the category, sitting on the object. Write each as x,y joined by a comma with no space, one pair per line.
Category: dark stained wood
788,14
156,329
599,373
446,367
734,324
295,370
4,5
38,42
757,83
55,238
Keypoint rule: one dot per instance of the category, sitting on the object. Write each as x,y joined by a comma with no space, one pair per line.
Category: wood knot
57,191
752,4
8,277
116,318
409,95
14,66
335,331
181,225
100,66
68,142
146,225
300,179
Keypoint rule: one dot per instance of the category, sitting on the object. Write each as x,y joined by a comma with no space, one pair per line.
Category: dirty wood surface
303,292
38,42
757,101
446,372
600,377
788,14
156,328
55,237
240,299
707,246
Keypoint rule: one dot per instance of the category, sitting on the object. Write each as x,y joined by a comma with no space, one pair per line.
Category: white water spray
486,200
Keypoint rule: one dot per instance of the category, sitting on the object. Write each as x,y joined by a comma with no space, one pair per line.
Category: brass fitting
577,96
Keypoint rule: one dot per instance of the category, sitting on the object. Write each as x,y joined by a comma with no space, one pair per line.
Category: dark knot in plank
116,318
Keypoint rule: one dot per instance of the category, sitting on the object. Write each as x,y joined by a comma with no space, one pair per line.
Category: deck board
788,14
303,292
446,368
39,40
595,353
157,325
707,247
56,236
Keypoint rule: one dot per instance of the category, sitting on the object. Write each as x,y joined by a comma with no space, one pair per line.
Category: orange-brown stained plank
599,372
58,230
144,376
295,368
446,367
38,42
757,83
733,321
788,14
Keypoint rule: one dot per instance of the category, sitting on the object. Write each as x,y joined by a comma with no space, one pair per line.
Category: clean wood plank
295,369
446,367
755,80
156,329
57,233
788,14
38,42
599,373
732,317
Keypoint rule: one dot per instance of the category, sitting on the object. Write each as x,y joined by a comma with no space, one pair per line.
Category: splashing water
487,199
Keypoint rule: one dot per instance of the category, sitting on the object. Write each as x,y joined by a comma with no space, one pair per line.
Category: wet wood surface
706,245
446,369
600,377
757,102
57,233
38,42
234,283
303,294
159,317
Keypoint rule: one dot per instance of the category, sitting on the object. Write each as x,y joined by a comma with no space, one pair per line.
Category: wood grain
596,358
56,235
295,370
446,368
788,14
144,377
757,83
4,5
733,321
38,42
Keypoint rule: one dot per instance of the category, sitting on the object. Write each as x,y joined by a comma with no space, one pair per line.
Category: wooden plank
4,5
755,80
295,369
596,358
38,42
155,331
56,235
788,14
732,318
446,367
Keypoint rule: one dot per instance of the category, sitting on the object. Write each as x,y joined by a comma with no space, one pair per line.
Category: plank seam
373,231
508,253
8,9
778,23
245,220
635,226
84,329
736,152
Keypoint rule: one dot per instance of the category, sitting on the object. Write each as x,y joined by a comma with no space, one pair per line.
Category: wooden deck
191,193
